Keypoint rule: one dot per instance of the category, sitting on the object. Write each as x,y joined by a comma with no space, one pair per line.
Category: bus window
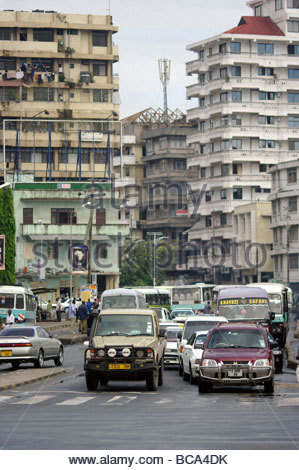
7,301
20,301
29,303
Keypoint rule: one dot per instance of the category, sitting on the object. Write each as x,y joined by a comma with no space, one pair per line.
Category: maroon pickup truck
237,353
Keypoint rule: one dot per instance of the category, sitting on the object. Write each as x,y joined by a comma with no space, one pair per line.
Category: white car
171,353
193,324
179,315
191,356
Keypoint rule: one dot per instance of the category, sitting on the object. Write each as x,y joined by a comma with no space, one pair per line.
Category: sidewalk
12,379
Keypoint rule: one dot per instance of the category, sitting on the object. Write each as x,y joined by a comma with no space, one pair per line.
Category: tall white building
247,114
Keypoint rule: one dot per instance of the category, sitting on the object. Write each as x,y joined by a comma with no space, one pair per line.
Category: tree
137,264
8,228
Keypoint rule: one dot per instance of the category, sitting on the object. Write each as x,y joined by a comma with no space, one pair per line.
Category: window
293,204
212,171
293,73
211,147
258,10
294,261
43,94
62,216
202,172
293,97
292,3
211,99
23,34
99,38
201,102
224,170
43,34
278,5
100,96
293,49
224,96
202,126
293,121
210,51
237,168
236,144
266,120
257,189
7,62
224,145
237,193
179,165
236,120
269,144
99,68
235,47
222,219
235,71
208,196
293,144
5,34
208,221
293,233
100,217
223,194
224,121
268,71
211,123
293,26
210,75
223,72
292,175
28,216
222,48
43,65
263,48
236,96
263,168
270,95
202,148
73,32
202,78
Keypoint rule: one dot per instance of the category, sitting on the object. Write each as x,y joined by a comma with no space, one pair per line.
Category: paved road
60,414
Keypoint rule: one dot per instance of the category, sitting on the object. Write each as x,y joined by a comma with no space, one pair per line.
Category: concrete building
60,67
285,222
247,118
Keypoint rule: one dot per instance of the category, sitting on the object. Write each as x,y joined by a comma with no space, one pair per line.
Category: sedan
191,355
29,344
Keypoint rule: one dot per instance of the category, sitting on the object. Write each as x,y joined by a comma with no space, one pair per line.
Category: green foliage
137,264
8,228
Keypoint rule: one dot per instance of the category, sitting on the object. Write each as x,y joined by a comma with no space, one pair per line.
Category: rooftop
259,25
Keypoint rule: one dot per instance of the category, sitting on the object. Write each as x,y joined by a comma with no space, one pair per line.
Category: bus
122,298
156,296
279,299
20,300
218,288
245,304
195,296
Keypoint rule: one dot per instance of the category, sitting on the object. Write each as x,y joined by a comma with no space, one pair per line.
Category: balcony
126,160
201,261
66,232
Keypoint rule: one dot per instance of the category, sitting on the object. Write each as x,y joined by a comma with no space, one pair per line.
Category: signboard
181,212
92,137
243,301
79,259
2,252
88,292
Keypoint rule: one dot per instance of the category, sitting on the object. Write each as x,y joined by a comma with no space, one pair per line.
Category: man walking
83,315
72,316
58,309
10,319
207,308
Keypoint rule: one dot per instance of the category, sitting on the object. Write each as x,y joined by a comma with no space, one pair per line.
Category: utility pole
164,72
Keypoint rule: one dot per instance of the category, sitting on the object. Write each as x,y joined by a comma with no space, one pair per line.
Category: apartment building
58,95
285,222
247,118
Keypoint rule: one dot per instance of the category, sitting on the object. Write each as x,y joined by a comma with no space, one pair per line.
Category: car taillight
15,345
181,349
175,303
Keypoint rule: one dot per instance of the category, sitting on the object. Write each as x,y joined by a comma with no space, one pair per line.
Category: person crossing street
83,315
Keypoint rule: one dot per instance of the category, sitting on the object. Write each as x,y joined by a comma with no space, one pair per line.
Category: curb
296,334
29,381
292,362
72,340
57,327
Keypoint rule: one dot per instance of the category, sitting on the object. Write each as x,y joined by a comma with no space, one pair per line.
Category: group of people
83,313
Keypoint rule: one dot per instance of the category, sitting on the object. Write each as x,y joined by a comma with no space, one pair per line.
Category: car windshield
125,325
29,332
119,301
201,338
237,338
193,326
244,309
181,313
172,335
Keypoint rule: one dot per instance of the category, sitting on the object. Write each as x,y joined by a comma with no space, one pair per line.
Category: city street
59,413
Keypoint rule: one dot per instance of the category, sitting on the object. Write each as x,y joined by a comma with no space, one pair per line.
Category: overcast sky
150,30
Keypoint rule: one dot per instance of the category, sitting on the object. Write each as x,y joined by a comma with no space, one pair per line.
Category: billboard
79,259
2,252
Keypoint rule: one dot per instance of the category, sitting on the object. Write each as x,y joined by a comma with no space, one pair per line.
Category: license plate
6,353
234,373
119,366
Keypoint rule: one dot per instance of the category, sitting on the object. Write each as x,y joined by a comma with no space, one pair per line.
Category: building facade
247,119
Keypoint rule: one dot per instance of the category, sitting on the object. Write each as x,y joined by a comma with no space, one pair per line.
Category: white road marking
33,400
289,401
163,401
75,401
119,400
5,398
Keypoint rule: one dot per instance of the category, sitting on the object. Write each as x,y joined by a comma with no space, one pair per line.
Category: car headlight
111,352
126,352
140,353
209,363
261,363
277,353
101,353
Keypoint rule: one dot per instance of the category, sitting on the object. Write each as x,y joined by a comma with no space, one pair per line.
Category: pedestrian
83,315
10,319
72,315
89,305
58,309
47,316
207,308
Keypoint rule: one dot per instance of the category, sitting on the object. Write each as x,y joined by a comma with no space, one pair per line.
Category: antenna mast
164,72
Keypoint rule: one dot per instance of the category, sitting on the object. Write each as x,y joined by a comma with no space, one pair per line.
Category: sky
148,31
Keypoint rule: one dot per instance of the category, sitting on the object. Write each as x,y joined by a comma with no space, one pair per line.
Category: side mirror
86,343
179,335
187,346
162,333
199,346
272,316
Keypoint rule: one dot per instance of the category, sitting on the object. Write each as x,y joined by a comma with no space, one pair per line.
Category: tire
92,380
193,380
203,387
180,369
269,386
186,376
58,361
103,381
15,365
39,362
161,373
152,380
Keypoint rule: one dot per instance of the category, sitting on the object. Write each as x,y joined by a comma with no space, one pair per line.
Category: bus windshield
7,301
119,301
275,302
244,309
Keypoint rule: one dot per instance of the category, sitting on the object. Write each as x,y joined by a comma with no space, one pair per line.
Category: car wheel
152,380
39,362
269,386
92,380
103,381
180,369
161,373
203,387
15,365
58,361
193,380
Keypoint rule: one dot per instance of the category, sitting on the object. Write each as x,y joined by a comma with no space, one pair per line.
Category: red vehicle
237,353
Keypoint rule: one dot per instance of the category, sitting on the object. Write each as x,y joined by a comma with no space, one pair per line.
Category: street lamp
88,235
41,112
156,240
